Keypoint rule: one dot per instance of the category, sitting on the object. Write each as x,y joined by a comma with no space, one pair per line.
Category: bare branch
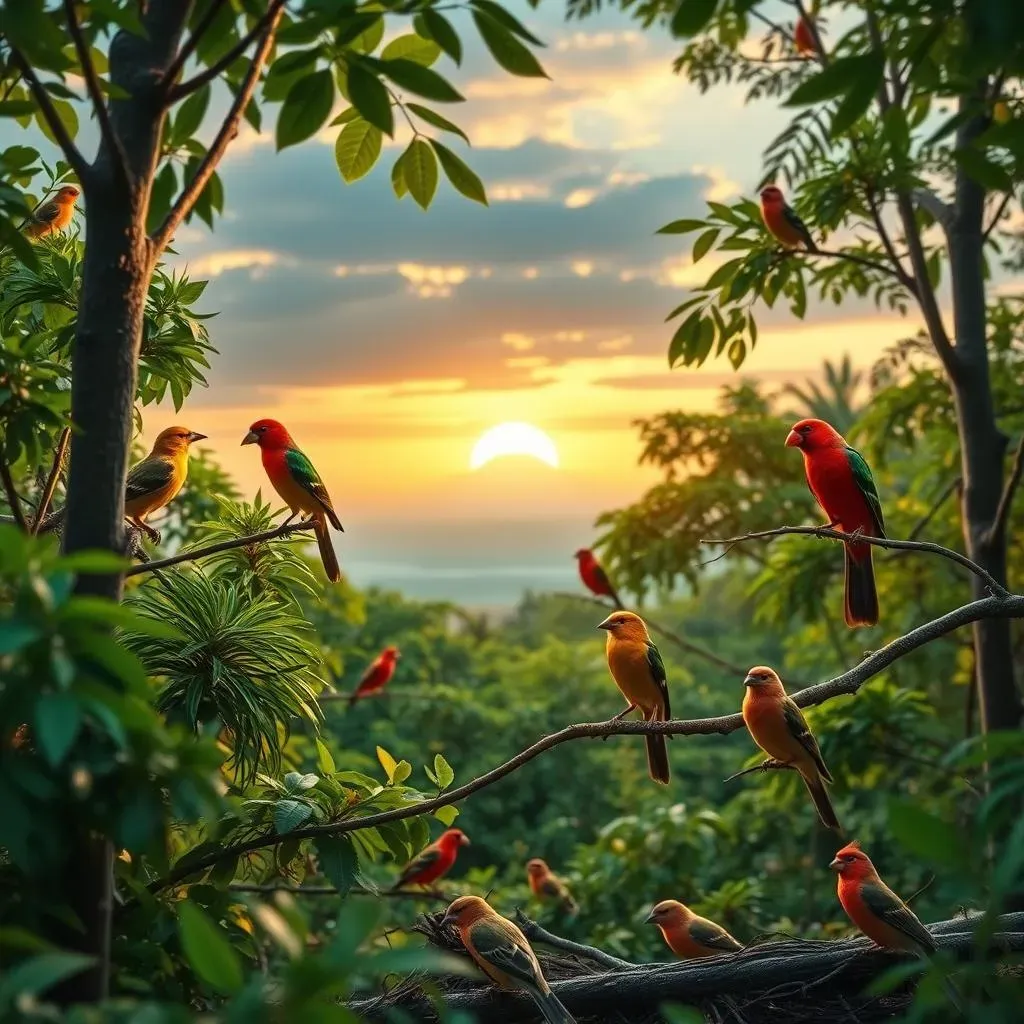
859,538
228,130
189,47
850,257
51,480
535,933
928,200
92,86
224,545
995,607
997,216
1006,499
329,890
12,496
767,765
922,523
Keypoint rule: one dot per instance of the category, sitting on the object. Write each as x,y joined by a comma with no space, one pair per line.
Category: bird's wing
801,732
881,901
46,213
503,949
147,477
794,221
866,484
424,859
306,476
370,674
711,935
552,887
657,667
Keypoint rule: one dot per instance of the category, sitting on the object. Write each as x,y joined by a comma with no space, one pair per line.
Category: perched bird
547,886
433,861
639,672
688,935
783,222
781,731
595,579
501,951
803,37
842,485
378,675
153,482
54,215
299,486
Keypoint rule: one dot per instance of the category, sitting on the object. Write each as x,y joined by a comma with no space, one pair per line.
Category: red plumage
594,578
804,38
433,861
378,675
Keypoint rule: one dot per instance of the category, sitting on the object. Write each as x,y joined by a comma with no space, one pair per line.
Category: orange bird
595,579
154,482
547,886
803,37
843,486
299,486
502,952
639,673
690,936
781,731
433,861
378,675
783,222
54,215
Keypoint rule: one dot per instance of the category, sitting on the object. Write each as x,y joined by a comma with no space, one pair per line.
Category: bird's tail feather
861,604
551,1008
657,758
822,802
327,554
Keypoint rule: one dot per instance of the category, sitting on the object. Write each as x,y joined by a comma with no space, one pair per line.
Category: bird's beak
464,841
195,436
250,438
751,680
836,865
649,919
792,439
447,920
607,624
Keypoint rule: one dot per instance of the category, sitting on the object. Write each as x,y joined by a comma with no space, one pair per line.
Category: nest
789,981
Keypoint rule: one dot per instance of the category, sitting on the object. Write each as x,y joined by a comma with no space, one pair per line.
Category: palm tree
836,402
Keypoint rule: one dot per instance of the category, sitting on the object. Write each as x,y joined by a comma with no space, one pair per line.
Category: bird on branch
155,481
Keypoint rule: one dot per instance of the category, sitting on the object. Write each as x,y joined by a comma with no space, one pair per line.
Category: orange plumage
688,935
548,887
156,480
54,215
783,222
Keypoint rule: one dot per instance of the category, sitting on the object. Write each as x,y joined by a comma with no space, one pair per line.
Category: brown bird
689,935
54,215
547,886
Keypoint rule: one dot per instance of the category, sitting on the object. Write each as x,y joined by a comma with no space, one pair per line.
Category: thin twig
769,764
944,496
12,496
224,545
854,258
1010,606
189,46
1000,210
330,890
860,538
1006,499
51,480
535,933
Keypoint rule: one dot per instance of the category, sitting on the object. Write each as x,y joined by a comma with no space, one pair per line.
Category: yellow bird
639,672
156,480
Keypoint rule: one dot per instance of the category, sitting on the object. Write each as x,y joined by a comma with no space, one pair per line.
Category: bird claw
618,718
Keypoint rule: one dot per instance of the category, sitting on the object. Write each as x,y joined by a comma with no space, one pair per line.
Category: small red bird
433,861
783,221
842,485
688,935
595,579
299,486
803,37
54,215
378,675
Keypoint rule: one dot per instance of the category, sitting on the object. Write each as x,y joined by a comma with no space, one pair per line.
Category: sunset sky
388,339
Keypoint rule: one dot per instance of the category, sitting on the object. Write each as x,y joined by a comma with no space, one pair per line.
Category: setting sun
514,439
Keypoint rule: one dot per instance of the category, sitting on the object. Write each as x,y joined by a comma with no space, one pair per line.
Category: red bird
842,485
595,579
803,37
299,486
783,221
378,675
433,861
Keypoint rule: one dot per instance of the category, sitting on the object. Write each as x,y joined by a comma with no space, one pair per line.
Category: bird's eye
805,430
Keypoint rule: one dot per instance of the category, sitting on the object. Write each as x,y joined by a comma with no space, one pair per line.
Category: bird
639,673
783,222
377,675
299,486
53,215
842,485
154,482
502,952
595,579
547,886
878,912
803,37
689,935
434,860
779,728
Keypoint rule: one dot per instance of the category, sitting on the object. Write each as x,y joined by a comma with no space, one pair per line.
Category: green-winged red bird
781,731
842,485
594,578
687,934
783,221
501,951
54,215
548,887
377,675
155,481
639,672
434,860
299,486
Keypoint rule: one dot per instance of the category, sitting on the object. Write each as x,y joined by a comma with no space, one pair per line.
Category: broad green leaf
357,149
432,23
420,168
461,177
189,116
39,973
443,771
504,18
840,77
704,243
691,16
402,771
387,762
412,47
324,759
338,861
58,718
446,815
398,185
290,814
508,51
985,172
296,782
369,38
407,74
436,120
208,950
681,227
926,836
306,108
370,98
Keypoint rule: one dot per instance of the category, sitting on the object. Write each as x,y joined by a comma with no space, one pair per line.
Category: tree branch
188,48
12,496
863,261
1006,499
228,130
329,890
928,200
997,216
767,765
859,538
224,545
535,933
51,480
995,607
92,86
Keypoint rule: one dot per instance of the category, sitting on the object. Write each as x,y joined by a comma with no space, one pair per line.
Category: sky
388,339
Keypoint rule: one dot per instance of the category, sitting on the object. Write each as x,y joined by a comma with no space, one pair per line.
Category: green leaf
402,771
36,975
190,116
420,168
461,177
398,185
413,47
387,762
444,772
855,104
704,243
369,39
681,227
432,23
737,352
296,782
926,836
290,814
338,861
357,149
208,950
370,98
306,108
447,815
58,718
407,74
691,16
510,54
840,77
324,759
435,119
984,171
504,18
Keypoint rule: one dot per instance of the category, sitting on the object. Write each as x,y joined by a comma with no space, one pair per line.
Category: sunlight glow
514,439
